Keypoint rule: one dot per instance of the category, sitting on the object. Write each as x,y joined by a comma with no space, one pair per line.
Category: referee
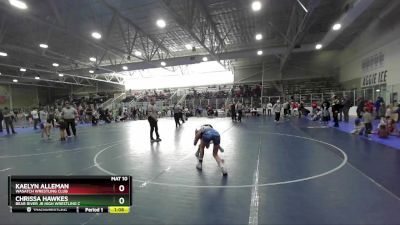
152,118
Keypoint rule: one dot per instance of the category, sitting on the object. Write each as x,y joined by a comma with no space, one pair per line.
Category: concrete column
10,95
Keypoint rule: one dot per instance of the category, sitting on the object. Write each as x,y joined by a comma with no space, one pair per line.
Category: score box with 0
70,191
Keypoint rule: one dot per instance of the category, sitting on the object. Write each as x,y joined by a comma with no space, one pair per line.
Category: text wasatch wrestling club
42,186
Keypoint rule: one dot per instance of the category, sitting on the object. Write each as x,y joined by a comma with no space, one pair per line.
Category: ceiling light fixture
43,45
188,47
125,68
161,23
15,80
256,5
91,71
378,90
205,59
96,35
259,52
259,37
60,75
302,6
22,69
163,63
318,46
18,4
92,59
3,54
337,26
55,64
37,78
137,53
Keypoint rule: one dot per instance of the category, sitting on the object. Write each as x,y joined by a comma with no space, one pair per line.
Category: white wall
315,64
381,36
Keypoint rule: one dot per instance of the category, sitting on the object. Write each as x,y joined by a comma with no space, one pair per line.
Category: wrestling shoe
221,149
197,154
199,166
224,171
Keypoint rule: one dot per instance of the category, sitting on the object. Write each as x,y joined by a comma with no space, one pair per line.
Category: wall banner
373,68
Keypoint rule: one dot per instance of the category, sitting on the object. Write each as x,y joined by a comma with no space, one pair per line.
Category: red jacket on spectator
370,106
314,105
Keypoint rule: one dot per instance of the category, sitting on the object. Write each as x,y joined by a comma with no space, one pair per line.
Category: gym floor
294,172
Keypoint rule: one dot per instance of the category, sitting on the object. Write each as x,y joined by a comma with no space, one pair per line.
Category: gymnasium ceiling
218,29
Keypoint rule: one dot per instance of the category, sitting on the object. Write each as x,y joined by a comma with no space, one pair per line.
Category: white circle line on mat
342,164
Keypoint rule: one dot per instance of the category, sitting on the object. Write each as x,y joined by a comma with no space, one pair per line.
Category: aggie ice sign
374,79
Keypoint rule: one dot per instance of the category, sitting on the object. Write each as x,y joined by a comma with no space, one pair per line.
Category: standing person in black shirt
336,106
346,108
51,116
152,118
69,114
1,120
239,108
233,112
360,106
7,114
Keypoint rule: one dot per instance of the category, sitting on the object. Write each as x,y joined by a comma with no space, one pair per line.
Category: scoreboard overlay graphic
69,194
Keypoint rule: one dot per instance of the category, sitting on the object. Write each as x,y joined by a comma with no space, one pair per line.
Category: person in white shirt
35,117
277,109
45,123
152,118
264,106
69,114
269,107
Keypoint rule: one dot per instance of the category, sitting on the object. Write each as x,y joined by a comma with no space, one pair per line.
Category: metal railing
109,104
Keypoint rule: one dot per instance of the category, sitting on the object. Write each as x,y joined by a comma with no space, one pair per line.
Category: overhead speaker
193,49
